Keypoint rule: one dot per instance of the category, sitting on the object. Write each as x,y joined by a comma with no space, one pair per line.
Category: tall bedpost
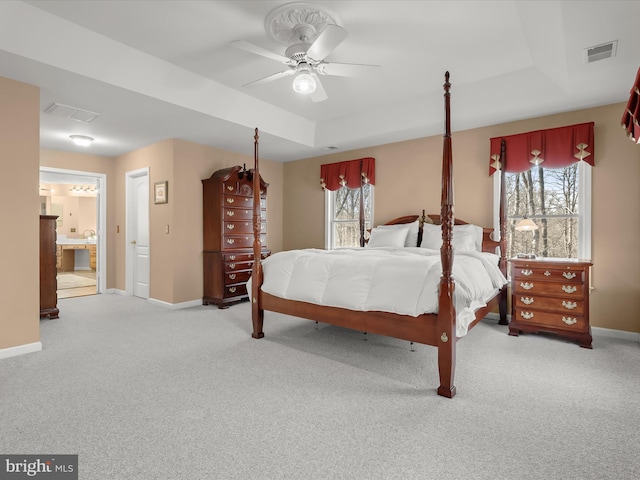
446,307
503,232
257,313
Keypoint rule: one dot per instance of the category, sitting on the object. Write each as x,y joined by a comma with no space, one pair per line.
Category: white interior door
138,264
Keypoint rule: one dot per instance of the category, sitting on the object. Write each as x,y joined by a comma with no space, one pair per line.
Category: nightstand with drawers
551,295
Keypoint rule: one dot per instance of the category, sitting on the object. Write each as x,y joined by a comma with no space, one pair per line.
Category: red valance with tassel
334,176
631,116
551,148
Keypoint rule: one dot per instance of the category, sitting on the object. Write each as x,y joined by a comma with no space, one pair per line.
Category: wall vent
600,52
331,147
65,111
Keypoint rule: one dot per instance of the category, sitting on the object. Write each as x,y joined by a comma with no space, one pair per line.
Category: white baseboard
595,331
611,333
176,306
172,306
20,350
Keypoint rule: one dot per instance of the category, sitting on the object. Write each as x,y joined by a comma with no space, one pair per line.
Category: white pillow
465,237
388,237
475,230
412,235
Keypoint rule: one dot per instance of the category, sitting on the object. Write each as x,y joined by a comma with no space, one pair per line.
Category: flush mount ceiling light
81,140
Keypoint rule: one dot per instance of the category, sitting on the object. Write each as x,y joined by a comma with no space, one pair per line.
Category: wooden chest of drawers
228,234
552,295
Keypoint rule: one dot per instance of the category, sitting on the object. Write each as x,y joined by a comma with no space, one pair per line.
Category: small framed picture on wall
160,192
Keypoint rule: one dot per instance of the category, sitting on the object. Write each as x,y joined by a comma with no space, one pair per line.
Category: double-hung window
547,181
558,201
343,215
348,201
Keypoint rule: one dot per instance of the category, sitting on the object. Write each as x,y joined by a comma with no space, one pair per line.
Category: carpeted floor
143,392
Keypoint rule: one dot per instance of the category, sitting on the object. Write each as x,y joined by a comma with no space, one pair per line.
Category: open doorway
79,201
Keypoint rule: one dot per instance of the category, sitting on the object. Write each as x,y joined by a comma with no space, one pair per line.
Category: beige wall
176,257
408,180
19,209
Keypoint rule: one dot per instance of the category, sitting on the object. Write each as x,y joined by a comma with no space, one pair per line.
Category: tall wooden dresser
228,234
552,295
48,270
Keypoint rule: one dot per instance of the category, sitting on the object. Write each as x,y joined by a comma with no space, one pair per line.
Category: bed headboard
488,244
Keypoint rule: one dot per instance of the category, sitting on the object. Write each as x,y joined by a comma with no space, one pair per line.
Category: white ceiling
166,69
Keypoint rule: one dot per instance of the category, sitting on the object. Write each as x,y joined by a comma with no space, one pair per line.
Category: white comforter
396,280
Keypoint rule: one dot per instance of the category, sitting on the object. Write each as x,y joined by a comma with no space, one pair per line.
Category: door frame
101,242
129,260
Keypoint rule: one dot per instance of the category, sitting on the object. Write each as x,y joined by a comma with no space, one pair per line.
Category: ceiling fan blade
270,78
330,38
319,95
249,47
346,69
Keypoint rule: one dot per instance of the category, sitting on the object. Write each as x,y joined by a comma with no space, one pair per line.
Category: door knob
133,242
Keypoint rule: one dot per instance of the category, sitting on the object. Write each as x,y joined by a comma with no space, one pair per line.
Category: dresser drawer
550,319
562,289
235,290
562,305
241,241
244,256
238,214
238,201
237,266
242,227
232,277
572,275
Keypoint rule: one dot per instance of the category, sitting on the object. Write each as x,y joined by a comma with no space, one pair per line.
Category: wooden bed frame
431,329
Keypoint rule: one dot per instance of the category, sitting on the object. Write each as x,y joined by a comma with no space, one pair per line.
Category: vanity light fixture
81,140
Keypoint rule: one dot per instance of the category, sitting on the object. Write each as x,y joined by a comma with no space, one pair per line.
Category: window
343,216
559,203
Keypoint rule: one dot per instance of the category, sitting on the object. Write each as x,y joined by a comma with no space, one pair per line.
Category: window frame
328,215
584,215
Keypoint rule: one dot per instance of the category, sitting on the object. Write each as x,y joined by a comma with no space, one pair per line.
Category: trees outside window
343,216
558,202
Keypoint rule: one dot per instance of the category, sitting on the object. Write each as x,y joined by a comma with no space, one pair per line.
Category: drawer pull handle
569,320
569,305
568,275
526,300
232,266
230,241
230,226
526,273
230,213
526,315
230,200
232,276
230,188
547,273
569,288
232,257
526,285
232,289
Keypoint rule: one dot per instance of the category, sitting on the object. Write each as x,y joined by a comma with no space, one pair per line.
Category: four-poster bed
437,328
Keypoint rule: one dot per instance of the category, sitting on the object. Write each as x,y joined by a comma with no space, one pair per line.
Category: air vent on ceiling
331,147
600,52
65,111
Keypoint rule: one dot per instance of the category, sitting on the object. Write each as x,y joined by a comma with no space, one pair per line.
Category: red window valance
631,116
556,147
334,176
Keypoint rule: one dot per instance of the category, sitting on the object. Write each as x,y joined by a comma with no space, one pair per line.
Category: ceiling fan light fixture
81,140
304,83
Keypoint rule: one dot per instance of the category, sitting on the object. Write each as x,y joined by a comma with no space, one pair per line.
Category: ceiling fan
310,33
